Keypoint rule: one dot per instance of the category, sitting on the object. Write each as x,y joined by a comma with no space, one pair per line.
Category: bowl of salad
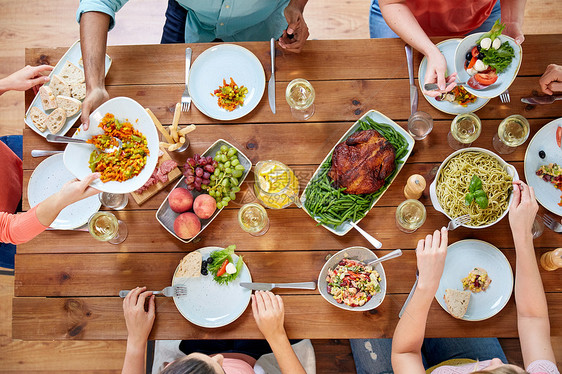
488,62
348,283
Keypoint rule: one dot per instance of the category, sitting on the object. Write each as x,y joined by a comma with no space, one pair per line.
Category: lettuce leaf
494,32
218,259
498,59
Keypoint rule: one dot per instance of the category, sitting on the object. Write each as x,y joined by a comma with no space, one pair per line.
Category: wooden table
66,282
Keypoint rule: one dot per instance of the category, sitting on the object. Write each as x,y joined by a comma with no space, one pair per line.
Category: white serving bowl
510,169
353,253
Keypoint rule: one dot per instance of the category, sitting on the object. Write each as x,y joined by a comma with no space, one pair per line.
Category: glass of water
115,201
300,96
420,125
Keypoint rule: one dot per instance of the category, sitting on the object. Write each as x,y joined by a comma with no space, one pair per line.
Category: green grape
216,172
231,152
219,205
227,164
233,181
221,175
204,187
232,196
228,170
213,177
225,182
235,162
240,167
224,158
224,148
237,173
226,199
224,203
235,189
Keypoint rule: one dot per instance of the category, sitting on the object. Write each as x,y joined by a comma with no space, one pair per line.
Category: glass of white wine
115,201
253,219
512,132
465,129
105,227
300,96
410,215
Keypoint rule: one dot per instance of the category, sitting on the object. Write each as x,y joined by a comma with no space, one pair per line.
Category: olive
481,56
466,63
204,271
468,56
210,260
478,47
542,154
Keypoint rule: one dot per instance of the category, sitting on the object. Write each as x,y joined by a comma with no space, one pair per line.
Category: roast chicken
362,162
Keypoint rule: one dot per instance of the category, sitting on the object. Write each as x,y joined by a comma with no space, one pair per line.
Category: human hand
551,80
514,30
269,314
76,190
435,73
297,28
523,209
431,253
138,320
26,78
94,99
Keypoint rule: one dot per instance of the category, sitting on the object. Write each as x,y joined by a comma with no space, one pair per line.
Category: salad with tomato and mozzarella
488,58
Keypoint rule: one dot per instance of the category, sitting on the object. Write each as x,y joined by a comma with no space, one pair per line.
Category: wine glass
105,227
300,96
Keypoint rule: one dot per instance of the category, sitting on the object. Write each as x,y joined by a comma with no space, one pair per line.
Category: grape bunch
224,180
198,171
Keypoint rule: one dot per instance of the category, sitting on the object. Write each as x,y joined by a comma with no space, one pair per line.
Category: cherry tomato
475,52
559,136
486,79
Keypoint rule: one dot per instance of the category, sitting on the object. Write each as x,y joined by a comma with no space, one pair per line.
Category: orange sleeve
20,228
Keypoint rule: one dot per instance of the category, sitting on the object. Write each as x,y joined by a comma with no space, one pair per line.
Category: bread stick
175,121
166,145
182,139
173,147
186,130
159,126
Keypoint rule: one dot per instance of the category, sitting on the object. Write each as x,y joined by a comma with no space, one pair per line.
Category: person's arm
26,78
408,336
297,27
532,312
139,323
551,80
401,20
269,314
512,17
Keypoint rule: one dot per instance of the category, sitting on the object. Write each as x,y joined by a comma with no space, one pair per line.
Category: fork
458,222
171,291
186,97
551,223
504,97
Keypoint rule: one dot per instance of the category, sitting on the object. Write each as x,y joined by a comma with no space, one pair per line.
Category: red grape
199,172
206,175
209,168
198,180
190,179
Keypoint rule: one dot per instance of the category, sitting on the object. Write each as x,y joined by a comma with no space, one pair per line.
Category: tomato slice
474,52
472,62
559,136
486,79
222,270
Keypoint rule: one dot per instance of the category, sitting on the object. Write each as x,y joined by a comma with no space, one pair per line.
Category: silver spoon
43,153
67,139
391,255
371,240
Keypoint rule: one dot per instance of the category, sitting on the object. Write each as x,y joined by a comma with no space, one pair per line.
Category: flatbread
78,91
72,73
457,302
59,86
71,106
56,120
48,98
190,265
38,117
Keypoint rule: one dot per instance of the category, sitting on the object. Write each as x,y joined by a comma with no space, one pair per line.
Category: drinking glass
115,201
420,125
512,132
300,96
410,215
105,227
465,129
253,219
538,227
276,185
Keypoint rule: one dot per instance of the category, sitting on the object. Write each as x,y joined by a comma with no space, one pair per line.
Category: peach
187,225
204,206
180,200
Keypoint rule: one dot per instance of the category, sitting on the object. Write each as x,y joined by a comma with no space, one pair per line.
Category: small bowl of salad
488,62
348,283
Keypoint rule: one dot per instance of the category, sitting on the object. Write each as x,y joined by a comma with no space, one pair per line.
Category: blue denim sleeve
109,7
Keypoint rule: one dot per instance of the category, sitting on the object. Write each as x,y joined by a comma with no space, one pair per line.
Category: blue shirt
207,20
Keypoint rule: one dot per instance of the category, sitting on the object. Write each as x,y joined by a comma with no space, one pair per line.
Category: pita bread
190,265
38,117
72,73
457,302
71,106
48,98
56,120
78,91
59,86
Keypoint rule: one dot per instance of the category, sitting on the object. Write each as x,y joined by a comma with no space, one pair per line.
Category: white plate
510,169
209,304
47,178
73,55
377,117
505,78
353,253
76,156
447,48
222,62
462,257
545,140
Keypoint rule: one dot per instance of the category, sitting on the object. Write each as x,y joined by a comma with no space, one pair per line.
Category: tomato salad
488,58
353,283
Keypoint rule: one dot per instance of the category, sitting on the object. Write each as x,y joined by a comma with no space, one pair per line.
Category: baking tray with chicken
356,172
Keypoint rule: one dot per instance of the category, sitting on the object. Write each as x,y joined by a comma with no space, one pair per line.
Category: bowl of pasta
473,181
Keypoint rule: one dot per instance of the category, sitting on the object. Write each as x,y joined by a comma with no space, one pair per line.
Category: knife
409,295
270,286
548,99
413,88
271,83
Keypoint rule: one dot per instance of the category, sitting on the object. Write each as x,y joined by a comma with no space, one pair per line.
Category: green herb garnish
218,259
476,193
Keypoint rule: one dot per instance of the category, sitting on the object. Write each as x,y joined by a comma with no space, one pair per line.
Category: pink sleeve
20,228
542,367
